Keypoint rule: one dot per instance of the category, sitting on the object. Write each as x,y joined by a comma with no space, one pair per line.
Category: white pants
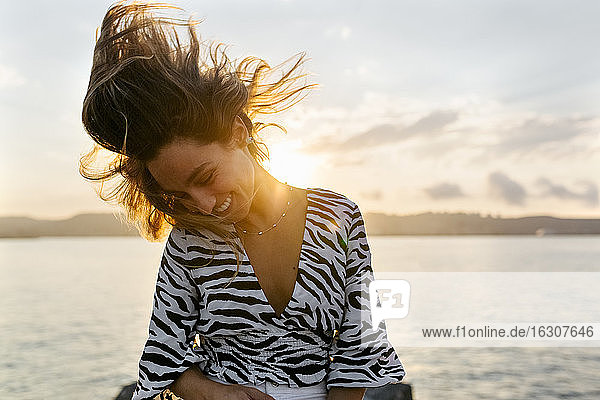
285,392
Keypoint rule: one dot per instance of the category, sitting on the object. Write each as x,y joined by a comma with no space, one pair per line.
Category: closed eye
208,180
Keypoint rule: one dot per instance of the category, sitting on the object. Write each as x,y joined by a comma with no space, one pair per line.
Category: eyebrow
202,167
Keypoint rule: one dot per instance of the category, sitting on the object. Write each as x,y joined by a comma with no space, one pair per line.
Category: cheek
244,167
239,172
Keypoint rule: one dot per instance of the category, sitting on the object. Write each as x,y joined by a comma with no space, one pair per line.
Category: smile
225,205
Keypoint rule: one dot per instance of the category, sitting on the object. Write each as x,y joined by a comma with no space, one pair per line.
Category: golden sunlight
288,164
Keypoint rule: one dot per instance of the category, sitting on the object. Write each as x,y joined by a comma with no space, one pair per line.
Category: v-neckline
298,265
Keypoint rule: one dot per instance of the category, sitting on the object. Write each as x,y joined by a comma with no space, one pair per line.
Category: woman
262,288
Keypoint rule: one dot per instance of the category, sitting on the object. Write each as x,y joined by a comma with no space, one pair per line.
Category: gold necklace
244,231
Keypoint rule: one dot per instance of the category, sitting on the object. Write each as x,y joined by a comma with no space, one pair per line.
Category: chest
275,257
295,279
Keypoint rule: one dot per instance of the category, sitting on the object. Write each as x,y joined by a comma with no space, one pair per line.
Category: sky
487,107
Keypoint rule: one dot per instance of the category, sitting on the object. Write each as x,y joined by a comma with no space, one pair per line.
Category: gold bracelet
167,395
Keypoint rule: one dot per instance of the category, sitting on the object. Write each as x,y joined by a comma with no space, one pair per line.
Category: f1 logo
390,299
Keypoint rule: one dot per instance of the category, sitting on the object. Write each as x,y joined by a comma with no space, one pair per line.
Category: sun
288,164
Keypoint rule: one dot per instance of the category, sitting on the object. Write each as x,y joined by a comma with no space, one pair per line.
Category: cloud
444,191
343,32
10,77
514,193
431,124
535,132
507,189
343,162
588,196
372,194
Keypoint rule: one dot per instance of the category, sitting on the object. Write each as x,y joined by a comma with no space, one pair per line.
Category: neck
269,201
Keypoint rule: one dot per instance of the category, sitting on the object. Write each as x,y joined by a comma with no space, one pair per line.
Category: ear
239,132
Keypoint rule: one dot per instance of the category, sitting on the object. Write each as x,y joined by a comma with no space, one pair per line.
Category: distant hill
377,224
475,224
79,225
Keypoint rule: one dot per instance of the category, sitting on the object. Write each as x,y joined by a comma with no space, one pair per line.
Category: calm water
74,316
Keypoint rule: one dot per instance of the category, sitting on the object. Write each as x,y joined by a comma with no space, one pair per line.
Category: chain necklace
244,231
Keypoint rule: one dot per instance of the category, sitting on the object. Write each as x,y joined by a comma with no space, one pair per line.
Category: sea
74,317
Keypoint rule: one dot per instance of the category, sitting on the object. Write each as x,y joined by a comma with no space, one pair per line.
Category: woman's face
209,178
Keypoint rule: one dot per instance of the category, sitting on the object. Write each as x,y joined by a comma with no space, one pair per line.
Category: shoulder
176,241
194,247
200,236
337,206
333,200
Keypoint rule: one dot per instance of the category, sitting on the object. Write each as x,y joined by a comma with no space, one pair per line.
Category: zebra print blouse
233,333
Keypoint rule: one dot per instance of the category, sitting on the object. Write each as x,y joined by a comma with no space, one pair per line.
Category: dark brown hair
148,87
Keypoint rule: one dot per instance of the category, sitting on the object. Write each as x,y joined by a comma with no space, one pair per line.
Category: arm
345,393
362,356
194,385
170,360
167,352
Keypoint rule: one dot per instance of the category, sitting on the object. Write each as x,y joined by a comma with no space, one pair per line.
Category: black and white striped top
233,333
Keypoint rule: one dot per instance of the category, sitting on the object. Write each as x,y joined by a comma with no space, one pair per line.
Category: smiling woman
146,89
204,177
261,289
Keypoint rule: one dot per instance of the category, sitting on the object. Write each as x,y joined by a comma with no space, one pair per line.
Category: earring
249,139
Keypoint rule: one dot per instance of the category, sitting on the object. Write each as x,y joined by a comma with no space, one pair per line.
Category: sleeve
361,356
170,350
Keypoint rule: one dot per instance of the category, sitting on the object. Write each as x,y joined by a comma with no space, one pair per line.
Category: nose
203,200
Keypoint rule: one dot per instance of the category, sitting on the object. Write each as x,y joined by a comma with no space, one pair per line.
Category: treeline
475,224
376,223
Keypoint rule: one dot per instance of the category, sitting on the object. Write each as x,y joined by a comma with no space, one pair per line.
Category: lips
225,205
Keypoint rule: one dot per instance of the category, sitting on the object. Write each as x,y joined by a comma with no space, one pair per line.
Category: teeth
225,204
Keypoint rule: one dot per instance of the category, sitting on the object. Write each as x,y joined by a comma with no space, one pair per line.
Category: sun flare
288,164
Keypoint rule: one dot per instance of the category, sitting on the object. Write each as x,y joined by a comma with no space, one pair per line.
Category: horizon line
481,214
